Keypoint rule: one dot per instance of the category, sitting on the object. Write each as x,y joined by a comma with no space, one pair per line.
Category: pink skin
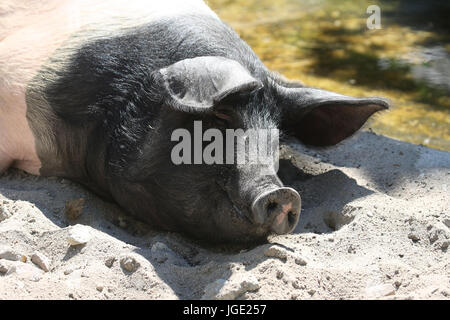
31,30
282,216
25,43
17,148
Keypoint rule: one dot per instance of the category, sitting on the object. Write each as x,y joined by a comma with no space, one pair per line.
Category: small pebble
129,263
78,234
414,237
296,285
4,266
110,261
280,274
4,213
8,253
68,271
300,260
276,252
41,260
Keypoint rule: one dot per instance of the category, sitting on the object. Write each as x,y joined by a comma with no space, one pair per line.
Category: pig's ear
323,118
196,85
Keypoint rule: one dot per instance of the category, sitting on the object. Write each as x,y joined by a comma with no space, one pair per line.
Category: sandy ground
375,224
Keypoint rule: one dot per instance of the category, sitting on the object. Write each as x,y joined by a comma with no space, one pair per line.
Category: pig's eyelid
223,116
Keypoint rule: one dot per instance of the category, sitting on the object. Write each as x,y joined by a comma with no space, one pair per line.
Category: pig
92,91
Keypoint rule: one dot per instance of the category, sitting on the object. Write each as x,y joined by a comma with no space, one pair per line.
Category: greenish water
327,44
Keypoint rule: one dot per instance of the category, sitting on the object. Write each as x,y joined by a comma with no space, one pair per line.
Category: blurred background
327,44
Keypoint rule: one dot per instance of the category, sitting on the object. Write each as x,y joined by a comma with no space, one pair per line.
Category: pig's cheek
224,214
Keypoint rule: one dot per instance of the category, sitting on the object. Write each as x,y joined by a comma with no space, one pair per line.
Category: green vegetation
327,44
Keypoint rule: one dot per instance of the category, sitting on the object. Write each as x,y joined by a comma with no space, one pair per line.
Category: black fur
109,81
109,123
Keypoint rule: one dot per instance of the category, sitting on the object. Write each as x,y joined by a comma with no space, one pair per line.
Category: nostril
271,207
292,218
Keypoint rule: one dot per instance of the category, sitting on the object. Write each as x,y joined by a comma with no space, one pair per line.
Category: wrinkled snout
278,209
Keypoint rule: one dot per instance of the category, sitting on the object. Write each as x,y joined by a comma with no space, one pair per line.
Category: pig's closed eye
223,117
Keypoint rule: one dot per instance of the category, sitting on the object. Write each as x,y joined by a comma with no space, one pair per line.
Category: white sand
375,224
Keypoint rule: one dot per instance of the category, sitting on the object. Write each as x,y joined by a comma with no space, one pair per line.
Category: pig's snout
278,209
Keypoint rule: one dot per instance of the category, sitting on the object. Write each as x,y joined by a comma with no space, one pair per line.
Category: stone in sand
41,260
276,252
129,263
8,253
78,234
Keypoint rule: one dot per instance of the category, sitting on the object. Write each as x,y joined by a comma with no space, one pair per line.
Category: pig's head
232,202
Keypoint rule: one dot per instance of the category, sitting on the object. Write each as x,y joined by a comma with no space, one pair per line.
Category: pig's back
30,31
38,40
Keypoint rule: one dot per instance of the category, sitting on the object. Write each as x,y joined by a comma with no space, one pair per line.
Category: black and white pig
92,90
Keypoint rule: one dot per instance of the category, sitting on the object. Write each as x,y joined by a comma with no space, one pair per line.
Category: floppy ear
196,85
323,118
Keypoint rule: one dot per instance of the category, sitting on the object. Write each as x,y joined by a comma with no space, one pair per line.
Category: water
327,44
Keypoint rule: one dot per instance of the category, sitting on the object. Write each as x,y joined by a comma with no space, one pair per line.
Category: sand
375,224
